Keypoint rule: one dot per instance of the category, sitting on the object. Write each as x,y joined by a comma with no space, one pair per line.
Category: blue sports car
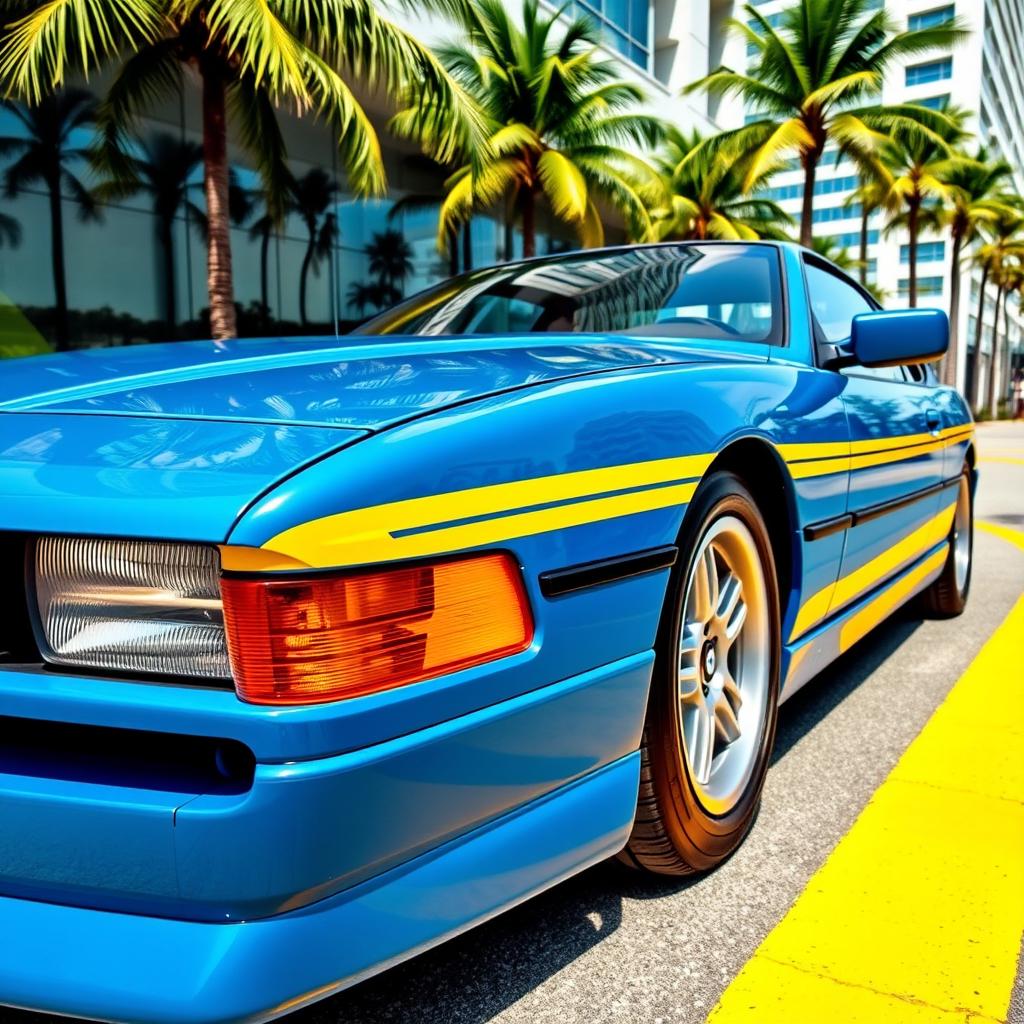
316,652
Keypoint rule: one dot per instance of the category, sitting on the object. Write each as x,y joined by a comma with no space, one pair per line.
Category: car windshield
719,291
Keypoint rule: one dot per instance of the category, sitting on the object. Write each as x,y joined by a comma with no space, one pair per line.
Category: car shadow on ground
472,978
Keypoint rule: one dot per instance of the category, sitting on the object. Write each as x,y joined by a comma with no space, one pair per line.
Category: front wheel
711,718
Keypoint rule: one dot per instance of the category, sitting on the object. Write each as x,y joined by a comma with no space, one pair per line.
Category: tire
947,596
695,804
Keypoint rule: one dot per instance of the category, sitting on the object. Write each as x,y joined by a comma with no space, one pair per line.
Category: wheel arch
756,462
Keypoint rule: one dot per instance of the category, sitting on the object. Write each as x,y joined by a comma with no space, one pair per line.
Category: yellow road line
917,914
1006,459
1015,537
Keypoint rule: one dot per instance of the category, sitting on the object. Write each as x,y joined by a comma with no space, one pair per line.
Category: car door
896,458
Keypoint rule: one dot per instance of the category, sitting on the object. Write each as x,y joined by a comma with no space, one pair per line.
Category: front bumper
153,905
146,970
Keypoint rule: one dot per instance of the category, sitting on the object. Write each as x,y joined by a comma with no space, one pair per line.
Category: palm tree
46,154
249,58
557,119
828,248
705,195
1002,257
872,194
817,79
921,166
976,196
1013,278
361,295
1006,244
314,195
263,229
165,171
390,258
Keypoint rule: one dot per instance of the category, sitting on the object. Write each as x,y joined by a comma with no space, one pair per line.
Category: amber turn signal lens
324,638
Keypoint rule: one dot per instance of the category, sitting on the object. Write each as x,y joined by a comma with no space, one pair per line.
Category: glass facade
847,239
830,213
625,26
932,71
927,252
822,187
931,19
925,286
935,102
136,267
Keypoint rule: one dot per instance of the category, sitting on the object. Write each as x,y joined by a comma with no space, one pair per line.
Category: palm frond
41,48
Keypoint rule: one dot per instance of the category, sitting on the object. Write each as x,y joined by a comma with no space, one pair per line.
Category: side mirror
899,336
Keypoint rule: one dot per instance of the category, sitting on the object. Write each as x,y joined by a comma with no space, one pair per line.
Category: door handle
934,421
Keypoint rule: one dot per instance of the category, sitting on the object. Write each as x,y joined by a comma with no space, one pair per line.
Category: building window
822,187
927,252
835,213
848,239
931,19
934,102
625,26
932,71
925,286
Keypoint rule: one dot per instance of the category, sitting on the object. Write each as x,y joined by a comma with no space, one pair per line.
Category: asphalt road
612,945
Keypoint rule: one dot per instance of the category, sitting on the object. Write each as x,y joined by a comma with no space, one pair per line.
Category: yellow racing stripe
377,534
440,523
808,460
862,622
851,586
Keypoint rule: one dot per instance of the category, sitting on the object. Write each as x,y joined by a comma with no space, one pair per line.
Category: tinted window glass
724,292
834,303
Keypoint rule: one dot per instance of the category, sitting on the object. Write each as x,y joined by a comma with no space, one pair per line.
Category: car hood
358,383
138,476
177,440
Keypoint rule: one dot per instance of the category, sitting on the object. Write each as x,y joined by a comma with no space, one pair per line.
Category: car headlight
164,608
131,606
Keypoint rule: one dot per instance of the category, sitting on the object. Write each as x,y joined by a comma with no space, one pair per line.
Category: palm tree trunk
992,399
949,363
864,214
304,276
529,227
810,162
975,364
453,252
215,187
264,287
913,212
166,229
467,245
60,289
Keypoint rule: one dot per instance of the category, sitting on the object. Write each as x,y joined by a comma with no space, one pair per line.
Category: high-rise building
984,75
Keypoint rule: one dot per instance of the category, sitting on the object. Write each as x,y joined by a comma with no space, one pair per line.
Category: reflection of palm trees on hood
314,195
45,154
164,171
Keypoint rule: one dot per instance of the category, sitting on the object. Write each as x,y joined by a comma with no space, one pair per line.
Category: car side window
834,304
